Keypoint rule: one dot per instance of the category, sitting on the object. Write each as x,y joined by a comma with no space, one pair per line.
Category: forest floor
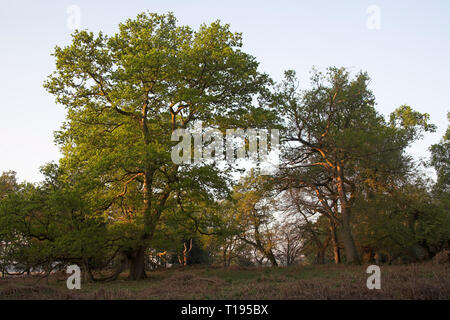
414,281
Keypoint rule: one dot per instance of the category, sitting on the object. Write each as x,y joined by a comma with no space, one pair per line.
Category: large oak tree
126,93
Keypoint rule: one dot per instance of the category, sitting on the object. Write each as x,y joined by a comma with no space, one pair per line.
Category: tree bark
186,252
225,257
147,210
322,249
271,257
136,259
335,243
351,254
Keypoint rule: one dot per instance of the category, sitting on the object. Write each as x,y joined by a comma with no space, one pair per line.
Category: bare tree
290,242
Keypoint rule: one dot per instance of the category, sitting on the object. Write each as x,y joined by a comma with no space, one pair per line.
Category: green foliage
407,217
116,191
440,155
50,223
126,93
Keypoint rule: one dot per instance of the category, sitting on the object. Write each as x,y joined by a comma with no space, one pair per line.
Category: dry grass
412,282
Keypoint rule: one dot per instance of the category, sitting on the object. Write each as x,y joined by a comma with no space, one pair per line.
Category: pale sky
407,57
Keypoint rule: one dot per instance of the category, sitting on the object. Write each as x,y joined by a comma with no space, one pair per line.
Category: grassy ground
417,281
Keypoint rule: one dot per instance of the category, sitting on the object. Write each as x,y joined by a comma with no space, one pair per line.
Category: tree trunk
229,256
87,273
335,243
271,257
186,252
351,254
136,258
322,249
147,210
321,255
137,264
224,256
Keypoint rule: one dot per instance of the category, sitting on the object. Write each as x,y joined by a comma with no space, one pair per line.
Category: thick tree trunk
136,258
351,254
137,264
147,210
151,210
335,243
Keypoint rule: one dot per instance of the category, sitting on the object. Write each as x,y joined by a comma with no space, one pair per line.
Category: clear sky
406,52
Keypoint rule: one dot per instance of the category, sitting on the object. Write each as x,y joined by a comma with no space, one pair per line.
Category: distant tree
335,140
290,242
406,222
254,207
440,160
315,235
8,183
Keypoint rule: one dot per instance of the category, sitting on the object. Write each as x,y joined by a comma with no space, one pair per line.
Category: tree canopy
346,190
